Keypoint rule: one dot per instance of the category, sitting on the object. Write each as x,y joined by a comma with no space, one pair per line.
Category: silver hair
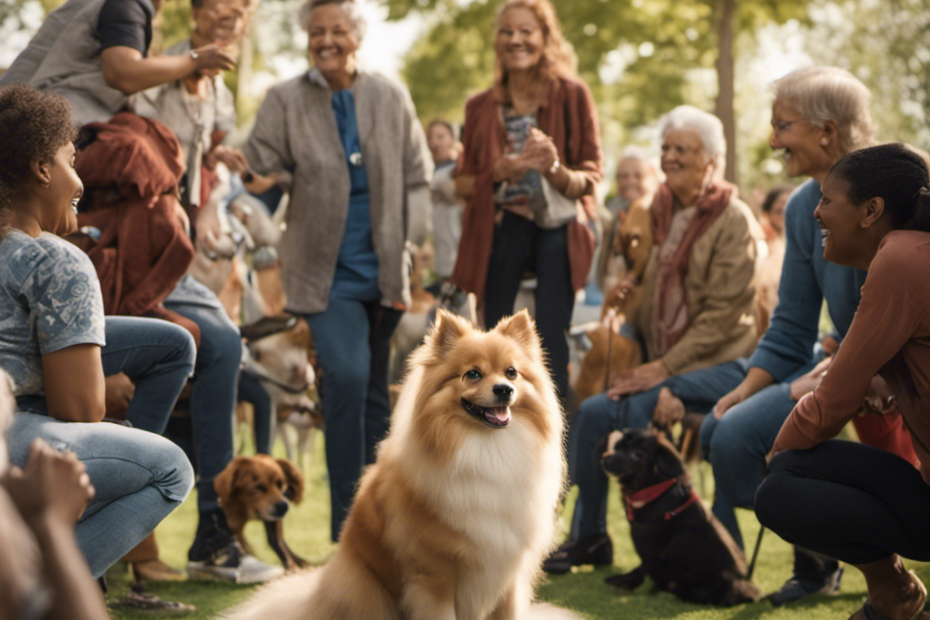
707,126
351,7
822,94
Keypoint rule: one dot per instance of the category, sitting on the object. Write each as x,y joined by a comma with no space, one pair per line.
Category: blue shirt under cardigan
786,349
356,274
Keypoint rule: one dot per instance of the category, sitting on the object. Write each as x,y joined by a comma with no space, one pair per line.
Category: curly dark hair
33,126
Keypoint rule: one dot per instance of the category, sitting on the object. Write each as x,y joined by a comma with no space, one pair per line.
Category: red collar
639,499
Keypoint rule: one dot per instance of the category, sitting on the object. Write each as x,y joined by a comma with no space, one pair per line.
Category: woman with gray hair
347,146
697,318
819,114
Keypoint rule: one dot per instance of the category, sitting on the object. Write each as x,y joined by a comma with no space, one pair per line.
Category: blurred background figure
447,210
636,177
773,224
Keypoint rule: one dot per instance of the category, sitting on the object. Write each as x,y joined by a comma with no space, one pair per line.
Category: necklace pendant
355,159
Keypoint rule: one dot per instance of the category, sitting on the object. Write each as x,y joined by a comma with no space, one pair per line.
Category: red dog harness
639,499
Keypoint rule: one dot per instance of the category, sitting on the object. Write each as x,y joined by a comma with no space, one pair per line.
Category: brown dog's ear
223,483
295,481
520,327
446,332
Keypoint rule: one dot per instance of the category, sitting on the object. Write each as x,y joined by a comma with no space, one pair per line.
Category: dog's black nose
280,509
503,390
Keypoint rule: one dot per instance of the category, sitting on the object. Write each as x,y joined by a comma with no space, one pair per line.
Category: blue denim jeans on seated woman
138,476
598,416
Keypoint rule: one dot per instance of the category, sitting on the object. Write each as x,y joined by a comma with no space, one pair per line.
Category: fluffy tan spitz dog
456,516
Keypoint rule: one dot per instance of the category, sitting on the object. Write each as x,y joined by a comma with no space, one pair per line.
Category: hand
230,157
809,382
639,379
119,393
53,489
212,57
620,293
669,409
261,184
878,399
208,229
508,168
539,151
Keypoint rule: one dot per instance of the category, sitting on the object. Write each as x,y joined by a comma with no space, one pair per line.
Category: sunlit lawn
307,531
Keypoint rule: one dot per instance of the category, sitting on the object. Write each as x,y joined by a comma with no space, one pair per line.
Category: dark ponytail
894,172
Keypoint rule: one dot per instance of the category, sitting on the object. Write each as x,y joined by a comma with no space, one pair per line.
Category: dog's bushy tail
545,611
286,598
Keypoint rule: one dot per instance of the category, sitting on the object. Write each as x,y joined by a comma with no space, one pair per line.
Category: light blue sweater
786,349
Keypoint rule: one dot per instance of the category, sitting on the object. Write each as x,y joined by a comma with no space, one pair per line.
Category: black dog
684,549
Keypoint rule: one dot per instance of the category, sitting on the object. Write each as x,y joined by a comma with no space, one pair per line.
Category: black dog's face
640,458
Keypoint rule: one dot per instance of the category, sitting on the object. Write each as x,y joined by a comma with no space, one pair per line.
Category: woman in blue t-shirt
52,330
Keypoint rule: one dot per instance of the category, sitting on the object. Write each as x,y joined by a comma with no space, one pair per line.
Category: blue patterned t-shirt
49,300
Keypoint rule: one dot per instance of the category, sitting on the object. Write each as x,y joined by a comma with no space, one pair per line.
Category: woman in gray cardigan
348,147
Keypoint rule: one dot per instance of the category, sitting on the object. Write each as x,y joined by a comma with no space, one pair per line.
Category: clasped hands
539,153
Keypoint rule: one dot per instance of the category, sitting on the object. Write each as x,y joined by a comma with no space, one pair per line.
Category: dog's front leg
429,599
628,581
514,604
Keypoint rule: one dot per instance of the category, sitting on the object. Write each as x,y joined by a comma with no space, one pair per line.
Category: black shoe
596,549
797,587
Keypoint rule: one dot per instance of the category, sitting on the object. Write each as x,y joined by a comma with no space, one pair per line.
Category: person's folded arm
890,312
74,385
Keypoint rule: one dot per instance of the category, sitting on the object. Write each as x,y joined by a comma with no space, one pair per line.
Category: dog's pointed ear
223,483
520,327
446,332
667,462
295,481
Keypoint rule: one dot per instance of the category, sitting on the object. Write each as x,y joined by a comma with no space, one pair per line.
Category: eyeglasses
782,127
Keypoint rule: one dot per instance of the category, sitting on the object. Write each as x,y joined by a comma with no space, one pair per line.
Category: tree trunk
725,13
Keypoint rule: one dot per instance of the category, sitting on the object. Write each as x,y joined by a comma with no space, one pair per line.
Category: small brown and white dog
263,488
455,517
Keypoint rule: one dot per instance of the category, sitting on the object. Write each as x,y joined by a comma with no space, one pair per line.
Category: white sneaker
253,570
232,564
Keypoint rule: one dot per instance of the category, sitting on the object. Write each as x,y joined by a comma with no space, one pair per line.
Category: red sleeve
890,312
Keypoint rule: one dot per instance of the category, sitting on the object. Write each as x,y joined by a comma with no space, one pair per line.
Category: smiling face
840,223
520,40
634,179
60,197
687,166
220,21
799,140
333,42
441,142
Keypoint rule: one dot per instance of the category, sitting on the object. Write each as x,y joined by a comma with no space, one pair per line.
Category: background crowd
102,313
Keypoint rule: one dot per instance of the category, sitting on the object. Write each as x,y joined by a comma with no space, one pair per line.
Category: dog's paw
626,581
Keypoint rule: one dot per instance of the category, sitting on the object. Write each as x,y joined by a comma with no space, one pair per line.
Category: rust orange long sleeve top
889,336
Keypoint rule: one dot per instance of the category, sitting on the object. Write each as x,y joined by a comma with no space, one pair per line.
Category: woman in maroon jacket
860,504
532,156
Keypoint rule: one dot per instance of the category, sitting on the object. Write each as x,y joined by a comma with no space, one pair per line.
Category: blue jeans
138,476
213,394
736,445
158,357
598,416
353,340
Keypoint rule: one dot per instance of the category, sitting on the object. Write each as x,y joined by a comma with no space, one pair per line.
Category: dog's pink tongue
501,413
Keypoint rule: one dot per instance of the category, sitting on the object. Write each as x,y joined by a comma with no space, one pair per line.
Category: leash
755,553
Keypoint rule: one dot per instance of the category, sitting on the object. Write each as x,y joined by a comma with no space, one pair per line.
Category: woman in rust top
532,156
857,503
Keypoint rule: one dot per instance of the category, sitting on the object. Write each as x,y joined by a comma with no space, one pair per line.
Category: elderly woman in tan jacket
349,148
697,319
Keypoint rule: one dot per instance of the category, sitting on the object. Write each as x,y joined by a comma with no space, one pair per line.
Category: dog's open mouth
495,417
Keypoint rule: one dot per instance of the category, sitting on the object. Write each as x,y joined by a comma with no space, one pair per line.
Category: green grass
307,531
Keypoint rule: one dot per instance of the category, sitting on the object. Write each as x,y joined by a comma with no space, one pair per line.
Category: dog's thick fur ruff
456,516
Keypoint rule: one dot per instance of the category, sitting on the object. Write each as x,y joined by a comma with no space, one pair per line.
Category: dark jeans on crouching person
598,416
520,246
213,393
353,342
847,500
